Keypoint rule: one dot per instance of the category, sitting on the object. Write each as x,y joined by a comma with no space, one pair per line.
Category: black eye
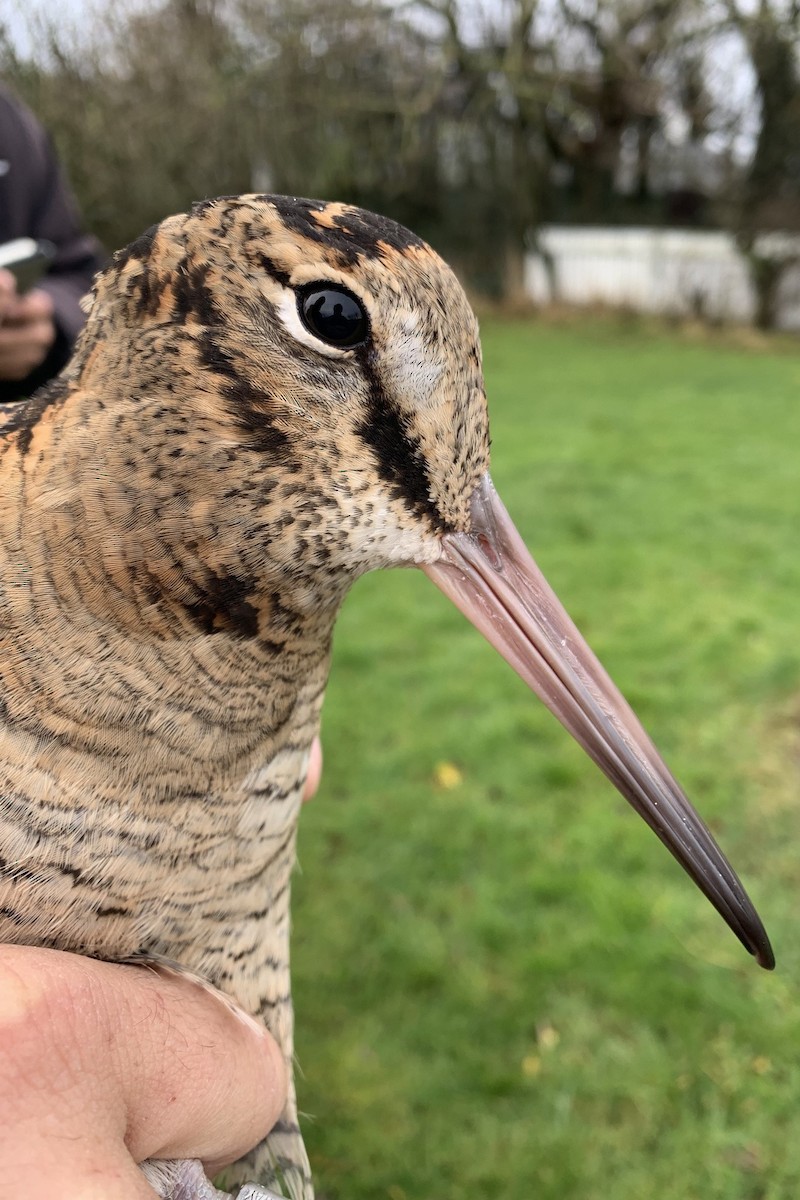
333,314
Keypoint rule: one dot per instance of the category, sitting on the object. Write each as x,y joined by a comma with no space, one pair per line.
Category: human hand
103,1066
27,328
314,774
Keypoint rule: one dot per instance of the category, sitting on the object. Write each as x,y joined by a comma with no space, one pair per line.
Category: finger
21,334
8,283
8,291
37,304
201,1080
23,346
76,1171
150,1063
314,775
44,1147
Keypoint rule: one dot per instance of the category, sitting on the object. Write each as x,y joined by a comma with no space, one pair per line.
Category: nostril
489,551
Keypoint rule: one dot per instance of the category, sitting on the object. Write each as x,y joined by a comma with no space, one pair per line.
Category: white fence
668,271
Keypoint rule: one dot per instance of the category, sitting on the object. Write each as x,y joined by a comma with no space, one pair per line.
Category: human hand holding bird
271,397
150,1064
102,1066
27,328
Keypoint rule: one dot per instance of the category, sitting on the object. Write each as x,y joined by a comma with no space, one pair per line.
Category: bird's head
329,353
308,377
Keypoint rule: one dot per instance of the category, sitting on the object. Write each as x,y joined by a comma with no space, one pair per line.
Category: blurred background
482,124
504,986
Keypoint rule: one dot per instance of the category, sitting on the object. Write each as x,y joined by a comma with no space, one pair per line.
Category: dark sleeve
41,205
78,255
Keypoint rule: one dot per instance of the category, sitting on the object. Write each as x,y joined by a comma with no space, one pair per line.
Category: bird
271,396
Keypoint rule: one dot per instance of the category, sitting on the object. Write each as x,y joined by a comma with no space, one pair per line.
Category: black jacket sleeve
35,201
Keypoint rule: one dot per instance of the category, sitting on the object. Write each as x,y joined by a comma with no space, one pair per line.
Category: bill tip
765,957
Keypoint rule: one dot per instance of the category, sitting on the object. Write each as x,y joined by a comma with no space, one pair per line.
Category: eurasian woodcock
271,397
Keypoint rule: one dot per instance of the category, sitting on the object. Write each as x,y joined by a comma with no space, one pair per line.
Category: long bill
489,574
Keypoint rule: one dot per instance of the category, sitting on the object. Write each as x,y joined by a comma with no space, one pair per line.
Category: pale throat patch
414,371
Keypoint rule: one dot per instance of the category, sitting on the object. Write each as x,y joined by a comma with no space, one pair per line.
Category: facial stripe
397,455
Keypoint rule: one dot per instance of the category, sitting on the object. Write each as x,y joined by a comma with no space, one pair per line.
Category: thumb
8,291
201,1079
102,1065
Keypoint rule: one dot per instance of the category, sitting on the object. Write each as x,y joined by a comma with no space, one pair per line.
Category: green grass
505,987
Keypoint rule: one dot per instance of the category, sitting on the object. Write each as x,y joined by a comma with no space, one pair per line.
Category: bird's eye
333,314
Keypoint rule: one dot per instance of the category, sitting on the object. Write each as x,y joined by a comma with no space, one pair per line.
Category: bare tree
473,121
766,196
146,111
491,117
337,94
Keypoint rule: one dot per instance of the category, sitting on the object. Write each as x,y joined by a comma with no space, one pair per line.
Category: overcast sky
730,74
20,16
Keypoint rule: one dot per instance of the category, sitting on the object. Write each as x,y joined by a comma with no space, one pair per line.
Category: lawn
505,987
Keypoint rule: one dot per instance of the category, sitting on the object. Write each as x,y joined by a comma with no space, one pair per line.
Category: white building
669,271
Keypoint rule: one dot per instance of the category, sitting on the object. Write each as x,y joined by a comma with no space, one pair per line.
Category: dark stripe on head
141,248
201,207
144,286
274,271
193,297
354,233
145,289
397,455
248,404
